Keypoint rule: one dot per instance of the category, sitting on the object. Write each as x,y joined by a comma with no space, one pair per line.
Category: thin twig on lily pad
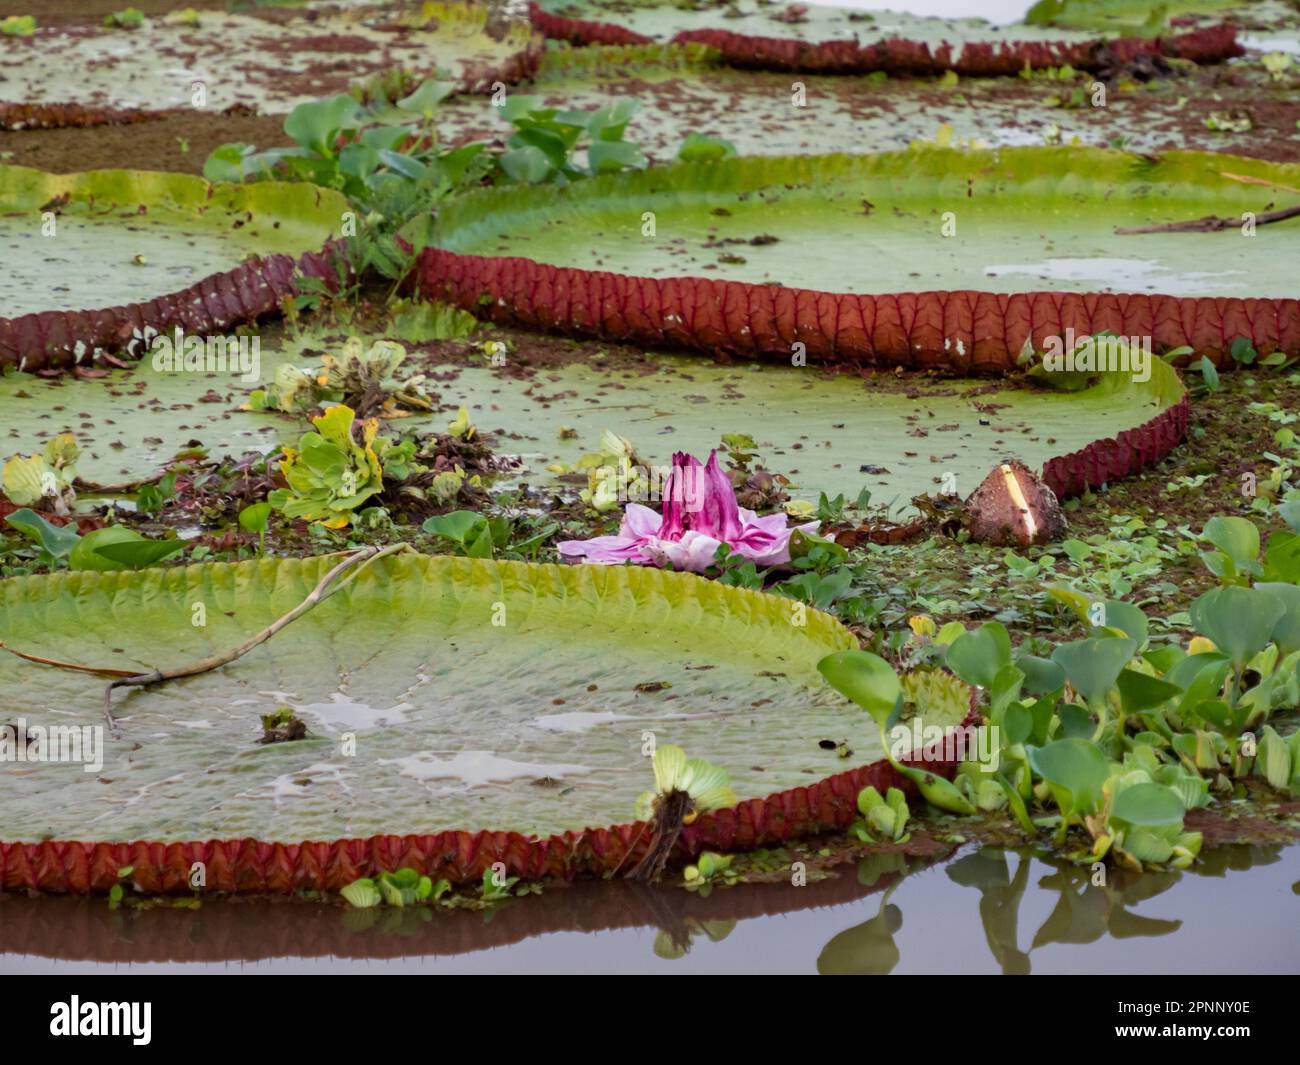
327,586
1211,223
125,678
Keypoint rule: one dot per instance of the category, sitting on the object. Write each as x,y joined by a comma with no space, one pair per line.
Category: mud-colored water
983,912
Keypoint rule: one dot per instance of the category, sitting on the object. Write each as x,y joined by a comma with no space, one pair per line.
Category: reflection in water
1089,906
893,913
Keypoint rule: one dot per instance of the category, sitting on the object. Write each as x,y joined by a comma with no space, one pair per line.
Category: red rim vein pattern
256,866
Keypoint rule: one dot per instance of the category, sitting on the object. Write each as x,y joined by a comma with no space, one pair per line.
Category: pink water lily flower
700,512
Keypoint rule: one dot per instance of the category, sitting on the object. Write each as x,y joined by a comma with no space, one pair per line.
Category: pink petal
693,553
639,521
719,516
603,550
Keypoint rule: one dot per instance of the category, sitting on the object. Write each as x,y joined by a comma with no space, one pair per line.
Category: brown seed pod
1013,506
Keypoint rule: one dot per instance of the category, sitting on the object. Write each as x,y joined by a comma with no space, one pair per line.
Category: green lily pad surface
820,430
269,62
125,236
680,94
478,695
1130,15
1012,220
833,434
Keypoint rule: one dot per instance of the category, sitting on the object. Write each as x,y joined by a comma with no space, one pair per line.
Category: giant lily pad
834,434
116,242
478,695
284,60
822,38
651,256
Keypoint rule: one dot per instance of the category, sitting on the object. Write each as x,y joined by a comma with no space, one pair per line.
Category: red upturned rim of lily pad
1211,44
254,866
64,340
960,332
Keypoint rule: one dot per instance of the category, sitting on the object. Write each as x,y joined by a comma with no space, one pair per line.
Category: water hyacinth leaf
1273,761
1074,600
1286,633
137,554
254,518
1187,671
977,657
946,635
1042,675
1150,845
865,678
1043,713
699,147
55,540
528,164
1148,804
1282,558
424,101
1239,620
1017,724
1199,749
315,125
1193,790
1004,691
1236,537
1140,691
1165,659
459,526
1125,619
86,554
1093,665
606,157
1289,512
1076,767
1076,722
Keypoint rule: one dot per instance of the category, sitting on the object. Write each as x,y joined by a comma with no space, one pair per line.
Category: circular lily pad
440,694
884,249
100,258
826,39
284,60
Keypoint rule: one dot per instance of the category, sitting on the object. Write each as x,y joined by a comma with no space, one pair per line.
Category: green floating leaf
977,657
1140,691
1239,620
1076,767
865,678
55,540
1094,665
1148,805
